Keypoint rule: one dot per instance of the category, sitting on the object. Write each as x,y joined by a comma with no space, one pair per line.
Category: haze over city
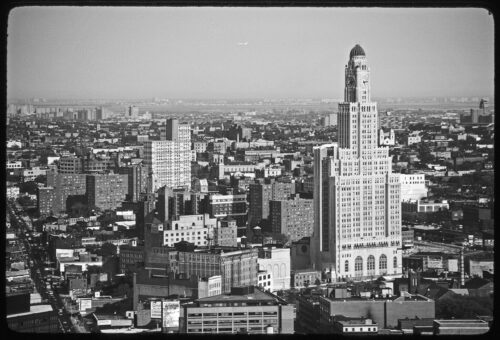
104,52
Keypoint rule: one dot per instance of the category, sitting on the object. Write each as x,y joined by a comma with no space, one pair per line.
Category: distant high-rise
169,161
357,210
132,112
137,180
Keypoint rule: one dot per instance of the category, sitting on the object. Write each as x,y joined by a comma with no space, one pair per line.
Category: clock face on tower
350,81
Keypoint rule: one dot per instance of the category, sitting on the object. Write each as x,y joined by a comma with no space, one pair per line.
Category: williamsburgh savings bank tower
357,206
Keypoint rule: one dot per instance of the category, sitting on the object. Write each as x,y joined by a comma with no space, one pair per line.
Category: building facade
236,267
277,262
247,310
357,210
197,229
292,217
106,191
234,206
413,187
260,195
225,235
169,161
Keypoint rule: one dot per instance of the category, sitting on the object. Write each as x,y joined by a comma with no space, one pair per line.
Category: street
44,285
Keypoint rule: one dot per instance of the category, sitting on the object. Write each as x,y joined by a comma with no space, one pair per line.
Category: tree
463,307
28,187
317,282
108,249
93,270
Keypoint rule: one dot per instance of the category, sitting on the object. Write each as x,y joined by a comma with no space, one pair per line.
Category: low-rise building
385,311
245,309
353,326
277,262
305,277
197,229
460,327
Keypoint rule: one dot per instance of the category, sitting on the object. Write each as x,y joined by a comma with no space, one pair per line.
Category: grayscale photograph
249,170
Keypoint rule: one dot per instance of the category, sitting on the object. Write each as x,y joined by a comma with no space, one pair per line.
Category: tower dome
356,50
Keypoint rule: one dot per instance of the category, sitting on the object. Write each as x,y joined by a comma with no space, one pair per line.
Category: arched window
176,226
395,262
370,263
358,264
382,263
346,266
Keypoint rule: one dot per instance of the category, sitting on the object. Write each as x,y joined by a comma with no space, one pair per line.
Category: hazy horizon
145,52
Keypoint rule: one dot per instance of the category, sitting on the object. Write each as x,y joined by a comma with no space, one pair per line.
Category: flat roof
460,322
34,309
257,295
110,317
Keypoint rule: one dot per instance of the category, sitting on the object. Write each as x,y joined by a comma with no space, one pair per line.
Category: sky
111,52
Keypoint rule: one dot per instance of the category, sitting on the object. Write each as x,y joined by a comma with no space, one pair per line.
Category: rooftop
34,309
256,296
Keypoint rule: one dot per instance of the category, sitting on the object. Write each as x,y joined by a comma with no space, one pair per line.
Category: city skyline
97,52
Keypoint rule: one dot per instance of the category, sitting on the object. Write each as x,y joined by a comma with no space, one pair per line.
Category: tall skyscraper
357,210
169,161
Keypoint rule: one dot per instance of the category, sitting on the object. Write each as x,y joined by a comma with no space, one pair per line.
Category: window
382,264
358,264
395,262
370,263
346,266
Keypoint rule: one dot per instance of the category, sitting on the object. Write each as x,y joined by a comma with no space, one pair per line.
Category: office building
172,203
65,185
106,191
245,310
225,234
137,180
169,161
237,267
45,200
234,206
197,229
357,203
261,193
292,217
70,165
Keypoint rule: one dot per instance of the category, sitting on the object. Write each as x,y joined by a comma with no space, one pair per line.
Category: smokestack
462,268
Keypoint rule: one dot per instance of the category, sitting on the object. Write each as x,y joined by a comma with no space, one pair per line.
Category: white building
169,161
197,229
276,261
13,192
357,209
33,173
14,165
413,187
265,279
210,287
386,138
413,138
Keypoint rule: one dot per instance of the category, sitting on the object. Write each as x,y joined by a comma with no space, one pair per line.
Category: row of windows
358,263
